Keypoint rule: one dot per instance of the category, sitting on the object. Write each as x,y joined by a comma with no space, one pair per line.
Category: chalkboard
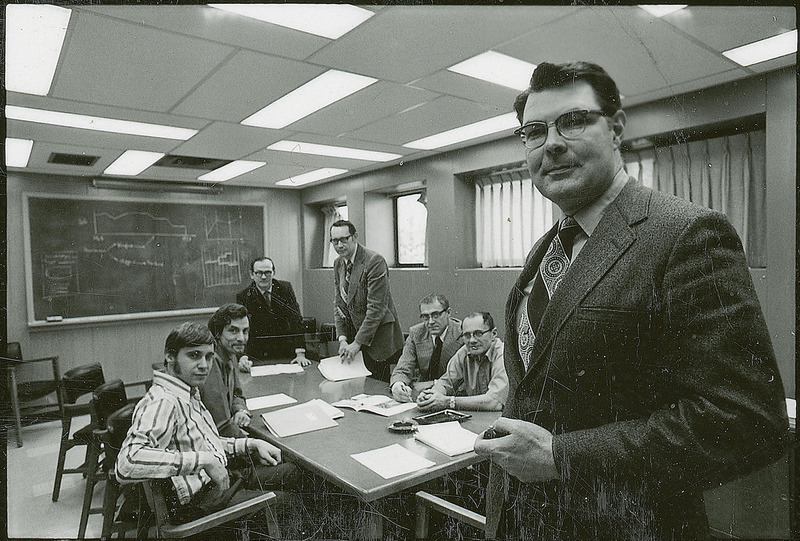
101,259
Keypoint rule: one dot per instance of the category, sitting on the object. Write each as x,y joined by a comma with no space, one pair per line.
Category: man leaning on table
429,346
640,367
174,440
475,378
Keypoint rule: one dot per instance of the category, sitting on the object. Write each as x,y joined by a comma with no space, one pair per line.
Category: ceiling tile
227,141
86,138
131,66
455,84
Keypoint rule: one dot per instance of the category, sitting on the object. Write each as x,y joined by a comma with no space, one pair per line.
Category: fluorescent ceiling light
133,162
34,37
319,92
329,21
18,152
233,169
662,10
97,123
497,68
763,50
336,152
496,124
311,176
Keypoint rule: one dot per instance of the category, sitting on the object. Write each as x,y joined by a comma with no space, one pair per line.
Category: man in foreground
429,346
173,438
475,378
640,367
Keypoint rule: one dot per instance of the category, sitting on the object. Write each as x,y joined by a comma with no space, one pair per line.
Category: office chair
428,502
25,396
74,384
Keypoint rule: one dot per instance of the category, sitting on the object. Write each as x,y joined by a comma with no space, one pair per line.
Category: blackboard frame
43,323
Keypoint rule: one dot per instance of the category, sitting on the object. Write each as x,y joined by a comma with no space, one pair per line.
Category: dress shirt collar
590,216
173,385
441,336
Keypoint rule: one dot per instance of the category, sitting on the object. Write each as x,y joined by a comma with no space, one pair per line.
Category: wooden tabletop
327,452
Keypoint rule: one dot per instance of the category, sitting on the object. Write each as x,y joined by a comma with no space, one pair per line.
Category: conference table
327,452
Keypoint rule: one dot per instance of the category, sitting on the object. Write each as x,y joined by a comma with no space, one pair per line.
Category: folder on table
305,417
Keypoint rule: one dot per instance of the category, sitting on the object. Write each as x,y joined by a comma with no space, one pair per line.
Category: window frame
395,197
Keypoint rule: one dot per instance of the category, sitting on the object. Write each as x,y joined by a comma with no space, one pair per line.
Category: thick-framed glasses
262,274
570,125
341,239
466,336
432,315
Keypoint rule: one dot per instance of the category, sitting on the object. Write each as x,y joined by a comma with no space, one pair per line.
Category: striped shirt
171,431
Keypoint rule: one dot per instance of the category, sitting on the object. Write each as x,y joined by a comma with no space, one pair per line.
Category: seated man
429,346
476,375
173,438
221,393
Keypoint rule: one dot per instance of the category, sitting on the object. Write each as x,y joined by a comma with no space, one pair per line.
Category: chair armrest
217,518
429,501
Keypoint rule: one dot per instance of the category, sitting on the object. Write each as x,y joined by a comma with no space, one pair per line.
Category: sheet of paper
449,438
335,413
261,402
392,460
335,370
274,369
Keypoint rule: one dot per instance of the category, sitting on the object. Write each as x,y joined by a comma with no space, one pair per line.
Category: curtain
510,215
332,214
727,174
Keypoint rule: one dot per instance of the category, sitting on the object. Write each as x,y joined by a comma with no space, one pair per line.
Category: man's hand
242,418
245,364
401,392
215,469
302,361
523,449
432,400
268,453
347,352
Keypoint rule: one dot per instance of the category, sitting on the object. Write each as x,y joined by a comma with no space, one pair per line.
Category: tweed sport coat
276,329
653,368
368,315
414,362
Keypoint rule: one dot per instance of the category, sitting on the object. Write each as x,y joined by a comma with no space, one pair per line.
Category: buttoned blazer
368,316
653,368
416,357
282,319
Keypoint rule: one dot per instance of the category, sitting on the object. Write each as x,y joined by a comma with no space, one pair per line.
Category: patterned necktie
348,268
435,370
552,270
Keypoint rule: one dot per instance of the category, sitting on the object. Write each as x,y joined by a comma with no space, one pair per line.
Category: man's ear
618,127
168,359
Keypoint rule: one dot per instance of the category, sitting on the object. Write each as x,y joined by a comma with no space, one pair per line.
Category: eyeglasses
432,315
341,239
262,274
477,334
570,125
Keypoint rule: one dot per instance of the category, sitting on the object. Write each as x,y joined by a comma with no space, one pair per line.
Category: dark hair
547,75
436,297
187,335
344,223
224,315
262,258
485,316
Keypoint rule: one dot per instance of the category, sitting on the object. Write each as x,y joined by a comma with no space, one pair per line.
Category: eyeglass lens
432,315
469,335
341,239
263,274
570,125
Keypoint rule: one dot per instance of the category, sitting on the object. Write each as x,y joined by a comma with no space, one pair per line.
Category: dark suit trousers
380,369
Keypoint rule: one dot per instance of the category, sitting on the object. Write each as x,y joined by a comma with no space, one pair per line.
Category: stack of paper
392,460
274,369
449,438
264,402
335,370
298,419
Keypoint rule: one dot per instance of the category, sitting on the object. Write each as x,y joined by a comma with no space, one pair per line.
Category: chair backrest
117,426
14,351
106,399
81,380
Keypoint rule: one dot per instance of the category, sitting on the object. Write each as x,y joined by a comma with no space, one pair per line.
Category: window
411,221
332,212
510,216
726,173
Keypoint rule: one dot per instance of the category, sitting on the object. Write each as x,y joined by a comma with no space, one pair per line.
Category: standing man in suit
364,311
429,346
640,367
276,325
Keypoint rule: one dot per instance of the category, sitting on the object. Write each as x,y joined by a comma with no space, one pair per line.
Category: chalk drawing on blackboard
224,226
131,224
60,274
221,253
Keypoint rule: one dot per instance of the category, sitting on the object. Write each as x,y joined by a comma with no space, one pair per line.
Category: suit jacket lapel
355,274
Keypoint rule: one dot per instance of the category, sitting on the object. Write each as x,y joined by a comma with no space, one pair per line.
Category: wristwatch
452,402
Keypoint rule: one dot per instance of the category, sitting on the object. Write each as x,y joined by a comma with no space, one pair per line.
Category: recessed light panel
311,176
18,152
96,123
326,20
133,162
496,124
319,92
336,152
34,37
766,49
233,169
497,68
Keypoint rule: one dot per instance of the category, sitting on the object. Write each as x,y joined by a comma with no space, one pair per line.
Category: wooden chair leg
273,529
62,456
92,460
422,523
15,404
109,505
